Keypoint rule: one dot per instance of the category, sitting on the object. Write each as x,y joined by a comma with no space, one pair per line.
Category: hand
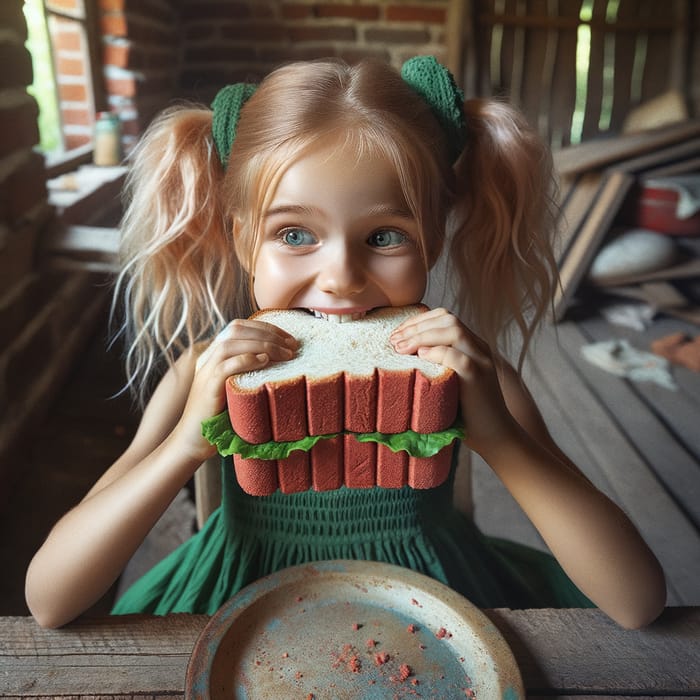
244,345
440,337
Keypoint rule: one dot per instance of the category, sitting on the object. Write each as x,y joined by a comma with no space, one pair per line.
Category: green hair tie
227,107
437,86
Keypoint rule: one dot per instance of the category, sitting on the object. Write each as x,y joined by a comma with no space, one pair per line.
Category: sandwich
347,410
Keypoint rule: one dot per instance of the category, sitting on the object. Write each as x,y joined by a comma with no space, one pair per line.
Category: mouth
340,317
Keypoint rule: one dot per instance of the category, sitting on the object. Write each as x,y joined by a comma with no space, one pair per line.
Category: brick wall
157,50
22,190
43,313
232,40
73,74
152,51
140,56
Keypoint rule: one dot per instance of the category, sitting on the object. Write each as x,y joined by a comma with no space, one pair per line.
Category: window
63,45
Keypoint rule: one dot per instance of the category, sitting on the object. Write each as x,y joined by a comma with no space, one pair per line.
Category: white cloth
620,358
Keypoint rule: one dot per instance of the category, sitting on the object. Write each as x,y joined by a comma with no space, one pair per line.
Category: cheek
274,281
406,283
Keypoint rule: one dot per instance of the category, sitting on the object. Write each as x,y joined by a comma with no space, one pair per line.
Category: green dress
248,537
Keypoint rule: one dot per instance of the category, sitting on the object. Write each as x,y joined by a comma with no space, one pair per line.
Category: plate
349,629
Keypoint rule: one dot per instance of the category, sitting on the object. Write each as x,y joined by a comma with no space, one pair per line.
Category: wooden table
560,653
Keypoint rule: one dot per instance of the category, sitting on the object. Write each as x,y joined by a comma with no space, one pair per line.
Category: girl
336,188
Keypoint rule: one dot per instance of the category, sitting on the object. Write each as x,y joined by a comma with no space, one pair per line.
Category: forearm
88,548
590,536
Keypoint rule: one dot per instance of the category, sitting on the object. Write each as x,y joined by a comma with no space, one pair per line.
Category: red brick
416,13
113,25
214,11
70,66
70,5
293,11
116,55
72,92
76,116
286,54
326,32
77,140
217,53
112,5
354,55
258,31
159,12
66,40
356,12
397,36
124,87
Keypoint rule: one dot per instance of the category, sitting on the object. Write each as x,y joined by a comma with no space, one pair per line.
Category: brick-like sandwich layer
345,377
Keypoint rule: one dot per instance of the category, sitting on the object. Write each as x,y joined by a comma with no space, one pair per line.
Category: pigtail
179,276
501,243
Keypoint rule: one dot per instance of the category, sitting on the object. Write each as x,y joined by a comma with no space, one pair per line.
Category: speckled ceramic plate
347,629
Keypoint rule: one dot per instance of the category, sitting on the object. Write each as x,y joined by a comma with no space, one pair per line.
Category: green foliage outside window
43,88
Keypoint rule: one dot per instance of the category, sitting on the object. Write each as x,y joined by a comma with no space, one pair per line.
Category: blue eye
297,237
386,238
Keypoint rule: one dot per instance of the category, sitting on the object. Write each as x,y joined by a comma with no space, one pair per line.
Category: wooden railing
576,67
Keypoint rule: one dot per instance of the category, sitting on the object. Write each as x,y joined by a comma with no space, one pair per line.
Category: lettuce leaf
218,431
416,444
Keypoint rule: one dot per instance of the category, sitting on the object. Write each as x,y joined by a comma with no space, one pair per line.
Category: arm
591,537
87,549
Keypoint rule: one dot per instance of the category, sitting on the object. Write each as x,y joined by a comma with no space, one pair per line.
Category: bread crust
342,461
386,399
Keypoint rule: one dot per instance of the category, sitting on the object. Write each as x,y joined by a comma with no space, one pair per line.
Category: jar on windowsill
107,146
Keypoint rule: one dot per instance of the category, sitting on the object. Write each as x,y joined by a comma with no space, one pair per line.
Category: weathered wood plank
582,250
674,414
564,651
575,209
618,469
117,655
559,652
604,152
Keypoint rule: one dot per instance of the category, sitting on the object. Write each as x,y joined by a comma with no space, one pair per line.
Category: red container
656,210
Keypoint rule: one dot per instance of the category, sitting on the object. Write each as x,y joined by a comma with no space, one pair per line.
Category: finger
250,329
229,348
421,319
225,349
456,337
448,356
246,362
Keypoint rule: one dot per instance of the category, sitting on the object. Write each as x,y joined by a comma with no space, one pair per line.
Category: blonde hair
191,229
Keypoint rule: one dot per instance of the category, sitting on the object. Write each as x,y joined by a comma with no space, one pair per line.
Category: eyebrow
291,209
300,209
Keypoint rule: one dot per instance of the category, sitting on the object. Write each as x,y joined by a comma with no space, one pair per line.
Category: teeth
338,318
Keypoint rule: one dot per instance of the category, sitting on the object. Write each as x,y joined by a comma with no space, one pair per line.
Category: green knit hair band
431,80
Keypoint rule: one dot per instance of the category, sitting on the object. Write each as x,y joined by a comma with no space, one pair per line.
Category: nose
342,274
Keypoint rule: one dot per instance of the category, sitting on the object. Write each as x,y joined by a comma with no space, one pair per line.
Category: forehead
328,173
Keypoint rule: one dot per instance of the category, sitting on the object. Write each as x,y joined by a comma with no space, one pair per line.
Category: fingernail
291,342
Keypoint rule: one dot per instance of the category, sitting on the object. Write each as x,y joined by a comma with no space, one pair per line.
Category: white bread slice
345,376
